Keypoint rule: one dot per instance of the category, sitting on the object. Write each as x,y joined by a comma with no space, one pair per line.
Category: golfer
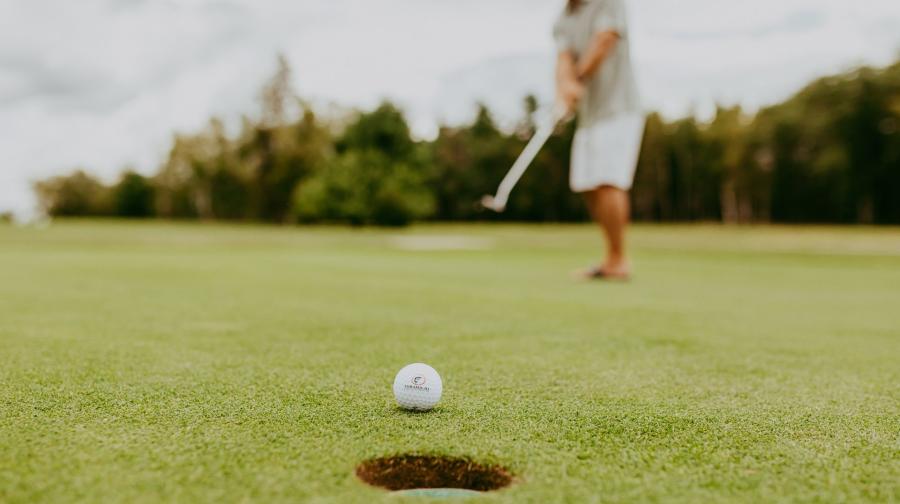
595,78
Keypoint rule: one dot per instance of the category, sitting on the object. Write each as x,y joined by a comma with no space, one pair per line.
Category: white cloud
104,83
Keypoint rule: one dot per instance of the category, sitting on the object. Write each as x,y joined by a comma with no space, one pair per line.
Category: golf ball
418,387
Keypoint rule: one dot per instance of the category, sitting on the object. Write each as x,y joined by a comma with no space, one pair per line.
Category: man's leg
612,210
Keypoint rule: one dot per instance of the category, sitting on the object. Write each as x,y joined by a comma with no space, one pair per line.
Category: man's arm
601,47
569,87
571,74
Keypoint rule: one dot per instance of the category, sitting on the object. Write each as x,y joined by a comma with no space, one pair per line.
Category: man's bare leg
610,208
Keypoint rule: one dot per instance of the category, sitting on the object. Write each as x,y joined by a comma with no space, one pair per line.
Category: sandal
598,273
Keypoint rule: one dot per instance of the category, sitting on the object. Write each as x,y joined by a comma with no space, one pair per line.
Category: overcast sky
104,83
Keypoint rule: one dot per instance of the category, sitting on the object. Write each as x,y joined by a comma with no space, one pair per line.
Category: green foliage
278,159
470,161
467,162
384,130
187,179
376,178
78,194
363,187
829,154
133,196
834,147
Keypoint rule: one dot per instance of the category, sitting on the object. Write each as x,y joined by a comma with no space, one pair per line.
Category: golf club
498,202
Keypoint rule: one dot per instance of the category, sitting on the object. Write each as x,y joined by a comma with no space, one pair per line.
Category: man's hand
569,93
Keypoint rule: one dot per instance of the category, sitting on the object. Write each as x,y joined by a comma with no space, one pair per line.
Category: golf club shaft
524,161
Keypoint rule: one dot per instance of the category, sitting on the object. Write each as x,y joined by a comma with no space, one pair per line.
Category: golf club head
491,203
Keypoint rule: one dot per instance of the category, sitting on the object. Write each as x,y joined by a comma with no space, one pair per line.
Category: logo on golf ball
418,380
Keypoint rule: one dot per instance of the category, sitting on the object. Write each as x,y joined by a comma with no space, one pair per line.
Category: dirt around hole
408,472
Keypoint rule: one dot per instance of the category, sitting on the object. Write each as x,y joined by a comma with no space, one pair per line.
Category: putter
498,202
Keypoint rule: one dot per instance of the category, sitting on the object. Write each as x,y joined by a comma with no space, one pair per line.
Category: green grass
190,363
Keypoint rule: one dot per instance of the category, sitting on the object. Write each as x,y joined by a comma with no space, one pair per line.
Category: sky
104,84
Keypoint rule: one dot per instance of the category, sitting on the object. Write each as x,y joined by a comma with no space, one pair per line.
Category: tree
384,130
378,176
363,187
202,177
726,147
830,153
650,196
469,162
133,196
78,194
277,96
278,153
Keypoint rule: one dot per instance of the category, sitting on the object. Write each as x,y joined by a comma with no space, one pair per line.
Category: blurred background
389,111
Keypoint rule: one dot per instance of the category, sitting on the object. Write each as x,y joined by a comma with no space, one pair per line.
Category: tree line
829,154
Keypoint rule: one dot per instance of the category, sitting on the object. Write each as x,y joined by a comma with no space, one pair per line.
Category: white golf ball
418,387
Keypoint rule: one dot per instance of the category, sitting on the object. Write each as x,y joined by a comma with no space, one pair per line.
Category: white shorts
606,153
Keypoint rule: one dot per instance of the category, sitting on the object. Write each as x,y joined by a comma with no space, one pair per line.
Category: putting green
200,363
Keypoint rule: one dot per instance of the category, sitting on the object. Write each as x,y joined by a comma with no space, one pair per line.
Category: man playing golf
595,77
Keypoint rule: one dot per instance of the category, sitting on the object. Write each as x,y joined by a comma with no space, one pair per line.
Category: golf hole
432,476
